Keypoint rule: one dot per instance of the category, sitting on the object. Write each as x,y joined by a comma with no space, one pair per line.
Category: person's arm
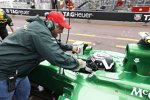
48,48
67,47
12,28
64,47
10,23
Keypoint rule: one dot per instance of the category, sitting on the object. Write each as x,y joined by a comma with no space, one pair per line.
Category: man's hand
82,65
75,50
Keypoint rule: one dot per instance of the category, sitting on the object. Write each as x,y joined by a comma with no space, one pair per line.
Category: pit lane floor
107,35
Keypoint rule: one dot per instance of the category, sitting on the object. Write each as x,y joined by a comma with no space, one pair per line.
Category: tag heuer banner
92,15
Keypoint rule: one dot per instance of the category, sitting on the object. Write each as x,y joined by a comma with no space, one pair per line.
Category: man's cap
59,18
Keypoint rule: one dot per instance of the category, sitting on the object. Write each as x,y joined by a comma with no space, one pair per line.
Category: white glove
82,64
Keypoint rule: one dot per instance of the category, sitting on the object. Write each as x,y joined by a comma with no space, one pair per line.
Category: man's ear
50,24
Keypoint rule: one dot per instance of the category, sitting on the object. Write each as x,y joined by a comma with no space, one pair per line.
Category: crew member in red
69,4
119,3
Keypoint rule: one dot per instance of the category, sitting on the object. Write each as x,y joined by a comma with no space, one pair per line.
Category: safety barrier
91,15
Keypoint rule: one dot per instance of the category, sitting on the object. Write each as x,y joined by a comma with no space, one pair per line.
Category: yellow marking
85,35
120,46
127,39
117,24
148,41
80,41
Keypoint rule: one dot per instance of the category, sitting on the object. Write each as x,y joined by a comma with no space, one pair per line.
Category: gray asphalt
106,35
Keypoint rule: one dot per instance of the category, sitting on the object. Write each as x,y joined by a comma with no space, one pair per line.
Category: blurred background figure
69,4
33,4
59,3
4,21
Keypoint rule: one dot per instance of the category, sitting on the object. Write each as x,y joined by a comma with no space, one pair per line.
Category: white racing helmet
100,61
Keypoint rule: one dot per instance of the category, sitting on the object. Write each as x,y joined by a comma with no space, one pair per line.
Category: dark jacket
28,46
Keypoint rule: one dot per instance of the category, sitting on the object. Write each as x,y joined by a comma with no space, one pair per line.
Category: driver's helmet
100,61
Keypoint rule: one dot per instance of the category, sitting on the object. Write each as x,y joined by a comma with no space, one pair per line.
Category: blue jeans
22,91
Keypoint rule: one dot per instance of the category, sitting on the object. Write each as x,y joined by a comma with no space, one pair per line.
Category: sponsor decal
78,14
140,92
136,60
18,12
137,17
3,20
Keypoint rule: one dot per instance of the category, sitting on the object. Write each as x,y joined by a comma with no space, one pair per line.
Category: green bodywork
130,81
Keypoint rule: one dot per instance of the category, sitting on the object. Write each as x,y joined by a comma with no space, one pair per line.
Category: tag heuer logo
137,17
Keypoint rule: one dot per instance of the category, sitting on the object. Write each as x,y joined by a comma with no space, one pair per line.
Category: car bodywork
130,81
